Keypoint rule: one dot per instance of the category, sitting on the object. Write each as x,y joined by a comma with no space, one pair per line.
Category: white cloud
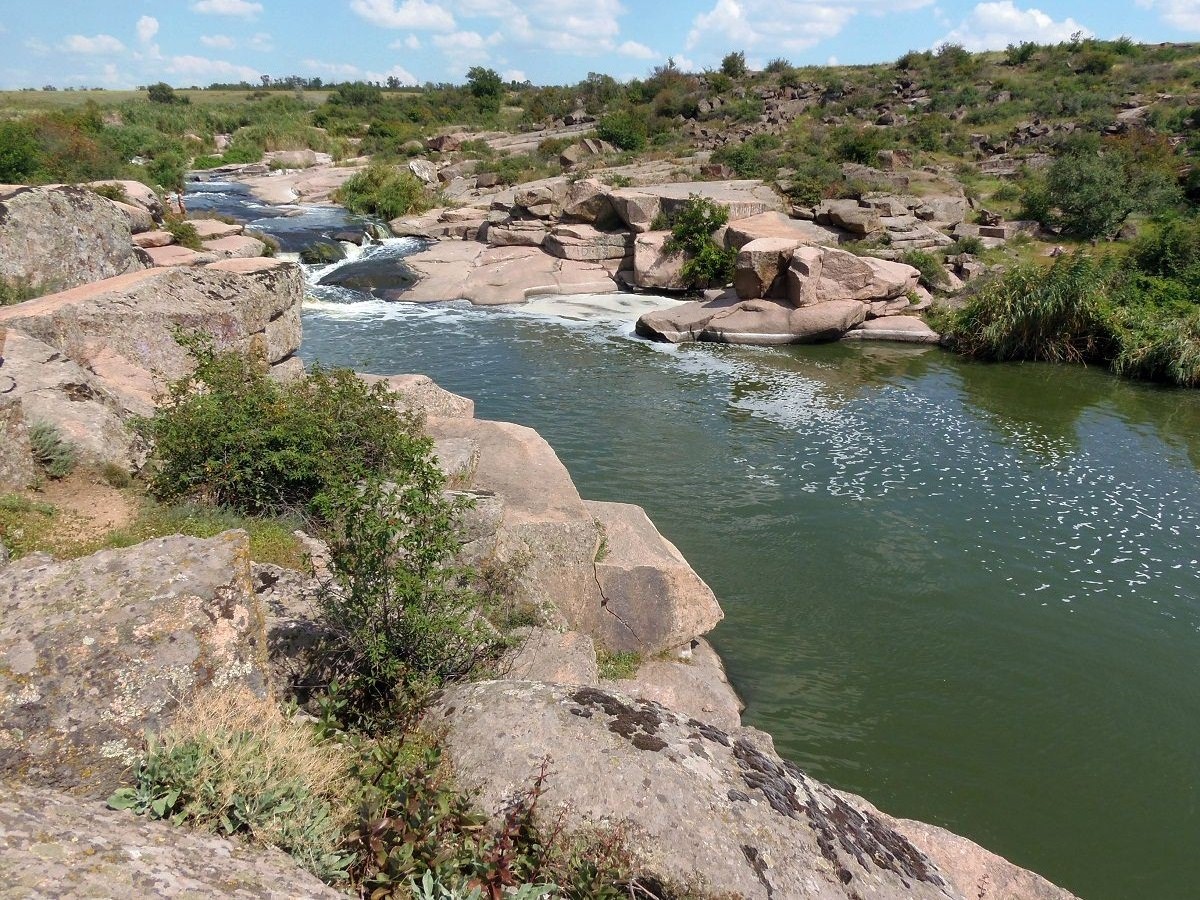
1182,14
514,75
198,69
241,8
783,25
418,14
993,26
99,44
218,41
636,50
262,42
37,47
349,72
147,28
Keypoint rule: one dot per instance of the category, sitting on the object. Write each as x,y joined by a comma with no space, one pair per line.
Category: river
967,592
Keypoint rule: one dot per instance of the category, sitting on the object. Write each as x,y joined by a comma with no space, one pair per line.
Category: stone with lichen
95,652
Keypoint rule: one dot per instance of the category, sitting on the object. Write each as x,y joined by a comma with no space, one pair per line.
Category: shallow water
967,592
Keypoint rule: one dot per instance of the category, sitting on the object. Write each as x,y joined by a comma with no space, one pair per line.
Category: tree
486,86
734,64
163,93
1091,193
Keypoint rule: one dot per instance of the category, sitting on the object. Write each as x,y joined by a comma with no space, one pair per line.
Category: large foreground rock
780,226
697,800
55,238
465,270
694,685
544,536
52,846
94,652
124,329
653,599
17,469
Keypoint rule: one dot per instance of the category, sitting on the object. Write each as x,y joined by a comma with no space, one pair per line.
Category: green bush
231,436
1055,315
20,152
384,191
51,452
162,92
625,128
933,275
184,232
17,291
399,618
692,228
734,65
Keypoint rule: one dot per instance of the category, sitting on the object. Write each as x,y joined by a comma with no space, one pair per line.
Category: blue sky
125,43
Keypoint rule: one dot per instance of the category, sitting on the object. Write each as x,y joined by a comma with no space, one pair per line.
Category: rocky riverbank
96,651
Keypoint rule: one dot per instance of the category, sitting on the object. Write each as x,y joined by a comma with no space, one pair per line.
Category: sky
129,43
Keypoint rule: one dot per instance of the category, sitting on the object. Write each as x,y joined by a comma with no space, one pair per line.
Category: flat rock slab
638,207
703,801
493,276
53,846
129,323
779,225
653,599
96,651
905,329
172,255
214,229
236,246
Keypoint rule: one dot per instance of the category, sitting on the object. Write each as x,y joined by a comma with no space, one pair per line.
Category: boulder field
557,236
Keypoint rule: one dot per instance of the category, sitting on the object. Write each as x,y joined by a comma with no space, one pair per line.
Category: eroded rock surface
699,800
124,329
96,651
54,846
59,237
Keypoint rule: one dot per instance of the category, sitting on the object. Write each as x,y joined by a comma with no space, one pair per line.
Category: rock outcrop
500,275
55,846
96,651
123,329
696,799
55,238
48,387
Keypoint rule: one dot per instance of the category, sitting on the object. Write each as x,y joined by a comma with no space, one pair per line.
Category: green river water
968,592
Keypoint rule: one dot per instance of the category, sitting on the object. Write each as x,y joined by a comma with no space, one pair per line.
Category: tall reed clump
1055,315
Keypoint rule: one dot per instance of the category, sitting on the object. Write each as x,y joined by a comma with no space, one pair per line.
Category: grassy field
47,101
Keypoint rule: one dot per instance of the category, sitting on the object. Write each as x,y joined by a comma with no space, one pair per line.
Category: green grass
25,525
271,539
618,666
